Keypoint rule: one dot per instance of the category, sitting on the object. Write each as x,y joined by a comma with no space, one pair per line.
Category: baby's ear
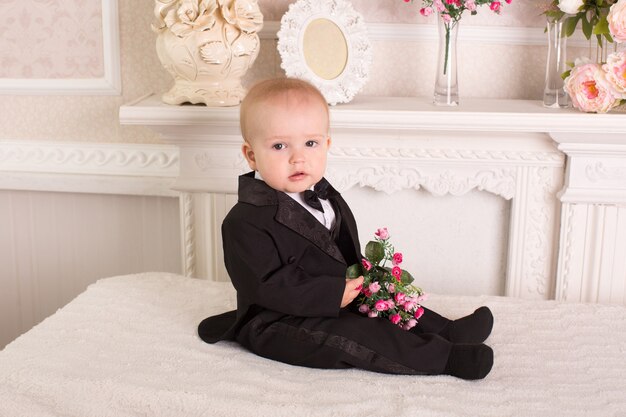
329,141
248,153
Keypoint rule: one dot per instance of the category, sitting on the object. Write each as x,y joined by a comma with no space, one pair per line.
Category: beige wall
511,72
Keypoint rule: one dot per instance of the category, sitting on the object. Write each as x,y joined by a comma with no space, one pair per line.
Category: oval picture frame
311,46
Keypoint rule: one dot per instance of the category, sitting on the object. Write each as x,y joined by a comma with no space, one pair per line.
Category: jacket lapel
292,215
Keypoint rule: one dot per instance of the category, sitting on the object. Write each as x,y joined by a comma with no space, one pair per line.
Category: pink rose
395,318
409,306
366,292
418,313
372,314
426,11
589,89
470,5
390,287
421,298
397,258
615,69
396,272
366,264
390,304
380,305
364,308
382,233
374,287
439,6
617,21
495,6
400,297
410,324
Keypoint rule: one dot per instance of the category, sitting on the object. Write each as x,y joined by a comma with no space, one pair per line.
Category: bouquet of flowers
387,291
451,10
602,18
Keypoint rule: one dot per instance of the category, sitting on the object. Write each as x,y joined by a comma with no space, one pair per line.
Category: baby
287,244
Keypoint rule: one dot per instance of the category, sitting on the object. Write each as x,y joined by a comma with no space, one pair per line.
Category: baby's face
288,142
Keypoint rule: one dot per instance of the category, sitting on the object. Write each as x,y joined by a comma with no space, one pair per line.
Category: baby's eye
311,143
278,146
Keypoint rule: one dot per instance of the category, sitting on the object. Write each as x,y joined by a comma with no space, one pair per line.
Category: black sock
474,328
469,361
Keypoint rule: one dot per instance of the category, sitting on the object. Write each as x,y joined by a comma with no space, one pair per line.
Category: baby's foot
474,328
469,361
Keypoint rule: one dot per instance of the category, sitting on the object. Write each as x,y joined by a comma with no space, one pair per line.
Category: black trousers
349,340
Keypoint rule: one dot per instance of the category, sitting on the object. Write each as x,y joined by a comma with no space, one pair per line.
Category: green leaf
587,27
406,277
566,74
374,252
354,271
602,27
569,25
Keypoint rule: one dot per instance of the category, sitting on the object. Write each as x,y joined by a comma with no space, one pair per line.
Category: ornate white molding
599,171
109,84
89,167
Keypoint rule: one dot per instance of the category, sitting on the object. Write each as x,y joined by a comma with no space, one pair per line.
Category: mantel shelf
401,113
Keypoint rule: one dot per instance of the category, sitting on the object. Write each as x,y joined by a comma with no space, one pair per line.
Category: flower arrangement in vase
387,291
450,12
595,86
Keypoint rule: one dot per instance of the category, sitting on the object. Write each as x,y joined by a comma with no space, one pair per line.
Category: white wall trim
412,32
109,84
111,168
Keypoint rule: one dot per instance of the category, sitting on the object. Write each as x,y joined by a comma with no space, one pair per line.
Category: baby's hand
353,287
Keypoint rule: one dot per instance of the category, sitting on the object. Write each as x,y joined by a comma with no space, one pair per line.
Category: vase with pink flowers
449,15
595,84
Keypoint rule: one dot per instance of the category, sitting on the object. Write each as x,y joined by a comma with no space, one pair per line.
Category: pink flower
446,17
390,304
395,318
615,69
418,313
381,305
372,314
374,287
364,308
470,5
439,5
589,89
426,11
410,324
409,306
421,298
495,6
366,264
397,258
617,21
396,272
366,292
400,297
382,233
391,288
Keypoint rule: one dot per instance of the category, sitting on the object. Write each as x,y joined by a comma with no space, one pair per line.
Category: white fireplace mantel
567,228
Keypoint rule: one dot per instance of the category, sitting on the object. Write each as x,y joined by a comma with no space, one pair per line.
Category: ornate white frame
343,88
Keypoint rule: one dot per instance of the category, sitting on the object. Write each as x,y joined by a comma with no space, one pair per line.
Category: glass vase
554,95
446,83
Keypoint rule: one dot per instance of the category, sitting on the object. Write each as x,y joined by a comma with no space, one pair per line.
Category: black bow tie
312,197
313,200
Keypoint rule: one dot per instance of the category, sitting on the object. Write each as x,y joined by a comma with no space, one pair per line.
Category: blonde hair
270,89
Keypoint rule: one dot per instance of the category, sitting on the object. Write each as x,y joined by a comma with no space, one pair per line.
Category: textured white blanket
128,347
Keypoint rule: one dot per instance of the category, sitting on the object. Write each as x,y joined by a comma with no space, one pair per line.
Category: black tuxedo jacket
281,258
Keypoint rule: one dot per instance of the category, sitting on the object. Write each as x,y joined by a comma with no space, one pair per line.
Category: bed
127,346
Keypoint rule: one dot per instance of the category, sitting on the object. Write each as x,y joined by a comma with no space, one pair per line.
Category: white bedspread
128,347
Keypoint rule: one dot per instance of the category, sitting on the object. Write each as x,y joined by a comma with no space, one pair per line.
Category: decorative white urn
207,46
